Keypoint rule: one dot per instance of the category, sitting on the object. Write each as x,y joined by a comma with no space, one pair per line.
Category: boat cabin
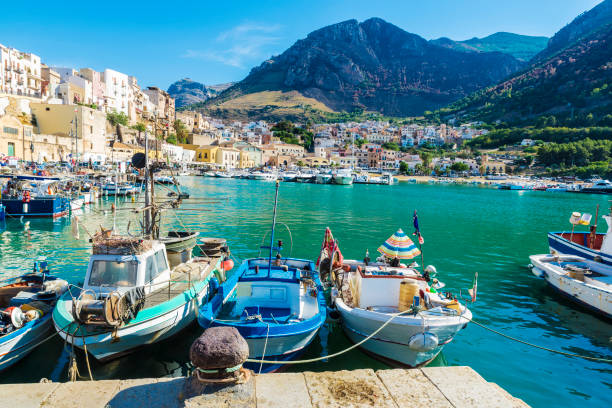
120,267
283,292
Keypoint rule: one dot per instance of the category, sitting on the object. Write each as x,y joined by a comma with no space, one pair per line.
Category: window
11,131
161,261
156,264
11,149
112,273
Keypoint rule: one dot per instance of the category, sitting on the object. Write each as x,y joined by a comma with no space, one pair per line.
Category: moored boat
584,281
26,303
277,305
420,319
343,177
132,297
590,245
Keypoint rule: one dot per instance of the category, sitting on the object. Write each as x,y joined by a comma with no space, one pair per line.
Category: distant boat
289,176
586,282
26,303
599,187
323,178
343,177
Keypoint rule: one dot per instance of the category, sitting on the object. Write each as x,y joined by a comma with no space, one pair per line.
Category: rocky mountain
570,80
522,47
373,66
188,92
574,84
581,26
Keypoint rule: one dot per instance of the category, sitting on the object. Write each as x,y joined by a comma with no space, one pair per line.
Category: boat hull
16,345
590,296
343,180
558,243
107,345
52,207
391,344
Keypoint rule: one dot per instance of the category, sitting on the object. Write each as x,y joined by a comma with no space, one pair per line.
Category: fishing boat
264,176
289,176
135,292
26,303
420,319
323,178
582,280
34,198
343,177
164,180
2,212
119,189
276,303
589,244
306,177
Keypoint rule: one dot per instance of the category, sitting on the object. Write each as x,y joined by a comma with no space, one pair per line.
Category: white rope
265,346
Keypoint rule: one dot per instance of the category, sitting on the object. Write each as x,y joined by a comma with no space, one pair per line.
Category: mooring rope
393,316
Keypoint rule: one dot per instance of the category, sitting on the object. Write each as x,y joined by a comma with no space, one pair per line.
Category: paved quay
394,388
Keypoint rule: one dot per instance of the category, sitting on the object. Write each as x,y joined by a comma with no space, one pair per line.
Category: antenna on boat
147,212
271,247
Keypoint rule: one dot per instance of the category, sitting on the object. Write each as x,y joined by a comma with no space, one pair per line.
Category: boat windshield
113,273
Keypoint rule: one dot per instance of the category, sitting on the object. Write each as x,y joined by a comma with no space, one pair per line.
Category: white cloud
238,45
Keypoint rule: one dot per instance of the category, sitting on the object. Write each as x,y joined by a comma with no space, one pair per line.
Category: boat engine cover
422,342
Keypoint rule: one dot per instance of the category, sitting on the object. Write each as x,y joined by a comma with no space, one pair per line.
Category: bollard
217,356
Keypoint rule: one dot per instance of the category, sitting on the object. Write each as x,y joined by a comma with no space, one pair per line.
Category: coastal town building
20,72
116,92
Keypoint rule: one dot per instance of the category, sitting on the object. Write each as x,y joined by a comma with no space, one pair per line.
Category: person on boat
394,262
277,262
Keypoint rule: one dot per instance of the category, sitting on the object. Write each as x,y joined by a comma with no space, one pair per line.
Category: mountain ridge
373,65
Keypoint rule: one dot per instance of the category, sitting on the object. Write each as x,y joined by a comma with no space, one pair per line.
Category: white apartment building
71,76
98,87
116,94
19,72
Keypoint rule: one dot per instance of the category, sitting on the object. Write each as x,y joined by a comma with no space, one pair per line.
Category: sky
216,42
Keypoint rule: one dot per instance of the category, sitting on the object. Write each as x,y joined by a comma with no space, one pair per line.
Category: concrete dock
396,388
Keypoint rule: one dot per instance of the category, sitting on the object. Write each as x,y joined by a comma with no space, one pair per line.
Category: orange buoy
227,265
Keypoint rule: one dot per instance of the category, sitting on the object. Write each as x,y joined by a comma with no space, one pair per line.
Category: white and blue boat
37,198
277,304
26,303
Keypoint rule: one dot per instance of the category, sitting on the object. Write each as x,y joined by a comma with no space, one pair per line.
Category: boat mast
273,227
147,212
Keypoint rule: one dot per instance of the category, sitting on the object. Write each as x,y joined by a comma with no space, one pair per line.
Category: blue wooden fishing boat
26,303
2,212
34,198
590,245
277,304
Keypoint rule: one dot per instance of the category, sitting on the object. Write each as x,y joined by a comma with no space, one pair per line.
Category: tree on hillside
403,167
181,131
459,167
117,118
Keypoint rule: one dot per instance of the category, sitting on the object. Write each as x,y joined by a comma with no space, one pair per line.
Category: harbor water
466,229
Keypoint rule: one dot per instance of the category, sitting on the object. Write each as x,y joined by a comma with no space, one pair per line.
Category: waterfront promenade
442,387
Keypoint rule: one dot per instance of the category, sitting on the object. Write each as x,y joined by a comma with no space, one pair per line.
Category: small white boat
76,204
599,187
586,282
367,296
343,177
323,178
289,176
264,176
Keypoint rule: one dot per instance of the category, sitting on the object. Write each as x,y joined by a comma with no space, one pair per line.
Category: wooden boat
590,245
26,303
277,308
277,305
132,297
366,296
582,280
34,198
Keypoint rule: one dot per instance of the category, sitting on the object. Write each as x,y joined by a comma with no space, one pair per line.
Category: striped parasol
399,245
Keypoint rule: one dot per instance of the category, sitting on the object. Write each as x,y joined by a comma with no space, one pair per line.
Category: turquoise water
467,229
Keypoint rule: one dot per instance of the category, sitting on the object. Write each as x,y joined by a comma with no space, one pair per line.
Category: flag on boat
399,245
474,289
331,246
417,231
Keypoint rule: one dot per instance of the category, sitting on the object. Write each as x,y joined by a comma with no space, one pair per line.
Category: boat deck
182,277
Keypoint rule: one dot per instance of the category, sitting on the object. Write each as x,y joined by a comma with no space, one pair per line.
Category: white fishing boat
131,297
289,176
368,295
584,281
264,176
343,177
